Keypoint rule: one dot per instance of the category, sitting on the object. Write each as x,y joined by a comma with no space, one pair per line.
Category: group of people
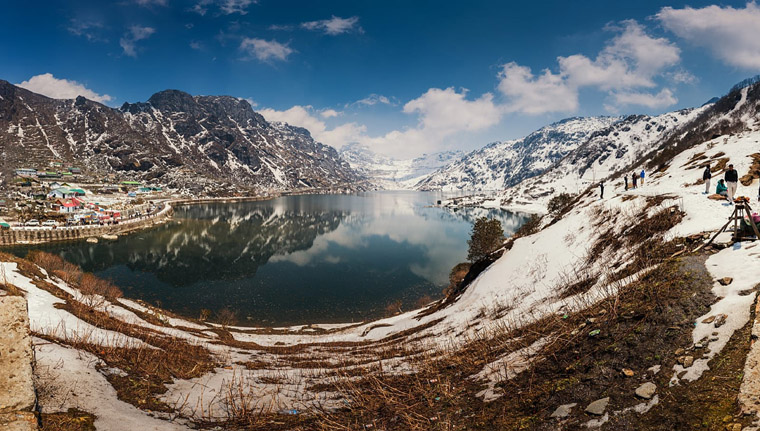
726,186
635,179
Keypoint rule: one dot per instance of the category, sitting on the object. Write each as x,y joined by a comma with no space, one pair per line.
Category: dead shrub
394,308
559,204
424,301
226,317
91,285
530,226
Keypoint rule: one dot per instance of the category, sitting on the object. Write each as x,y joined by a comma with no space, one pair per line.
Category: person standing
625,177
601,189
642,177
732,179
634,178
706,175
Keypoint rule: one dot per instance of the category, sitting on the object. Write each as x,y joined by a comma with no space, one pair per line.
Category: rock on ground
564,410
598,406
646,390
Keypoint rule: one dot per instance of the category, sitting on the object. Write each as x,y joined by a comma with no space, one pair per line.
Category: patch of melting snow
74,382
596,423
506,368
640,408
741,263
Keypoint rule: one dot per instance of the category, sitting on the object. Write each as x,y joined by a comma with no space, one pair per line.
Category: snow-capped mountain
503,164
639,142
393,174
616,147
186,140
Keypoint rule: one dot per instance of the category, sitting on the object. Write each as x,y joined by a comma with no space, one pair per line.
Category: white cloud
91,30
201,7
235,6
441,113
536,94
660,100
266,50
731,34
226,7
136,33
447,111
50,86
303,116
198,46
334,25
329,113
283,27
631,60
373,99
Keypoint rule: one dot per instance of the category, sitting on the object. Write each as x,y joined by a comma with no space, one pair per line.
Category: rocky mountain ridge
503,164
189,142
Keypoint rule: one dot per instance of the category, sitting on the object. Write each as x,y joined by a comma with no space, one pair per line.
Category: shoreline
26,236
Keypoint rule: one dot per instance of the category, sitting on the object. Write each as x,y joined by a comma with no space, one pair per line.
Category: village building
23,172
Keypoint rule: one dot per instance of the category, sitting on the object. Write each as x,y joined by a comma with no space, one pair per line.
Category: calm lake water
291,260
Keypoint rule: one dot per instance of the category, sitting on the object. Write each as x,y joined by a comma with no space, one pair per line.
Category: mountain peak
172,100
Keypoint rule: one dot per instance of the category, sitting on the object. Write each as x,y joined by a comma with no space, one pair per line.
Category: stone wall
17,396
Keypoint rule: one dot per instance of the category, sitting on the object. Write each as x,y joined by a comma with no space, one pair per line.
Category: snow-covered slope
622,144
503,164
637,142
393,174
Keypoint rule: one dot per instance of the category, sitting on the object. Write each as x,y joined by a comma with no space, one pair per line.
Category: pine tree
487,235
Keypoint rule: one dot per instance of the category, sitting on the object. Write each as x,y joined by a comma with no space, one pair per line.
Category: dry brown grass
71,420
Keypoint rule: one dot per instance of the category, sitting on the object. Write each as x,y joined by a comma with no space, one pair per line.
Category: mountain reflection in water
291,260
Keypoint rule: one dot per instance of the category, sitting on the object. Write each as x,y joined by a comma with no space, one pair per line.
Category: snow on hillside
503,164
624,143
393,174
528,282
519,288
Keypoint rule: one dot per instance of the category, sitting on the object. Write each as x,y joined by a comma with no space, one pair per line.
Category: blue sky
403,77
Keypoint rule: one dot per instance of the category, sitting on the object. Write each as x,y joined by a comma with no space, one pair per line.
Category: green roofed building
130,183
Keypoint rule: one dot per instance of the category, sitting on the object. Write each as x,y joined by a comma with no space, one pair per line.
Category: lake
291,260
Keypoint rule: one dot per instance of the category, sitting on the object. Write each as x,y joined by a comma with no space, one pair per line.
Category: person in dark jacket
706,175
625,177
601,189
634,179
732,180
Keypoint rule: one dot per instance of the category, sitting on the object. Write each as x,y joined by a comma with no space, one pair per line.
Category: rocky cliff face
184,140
